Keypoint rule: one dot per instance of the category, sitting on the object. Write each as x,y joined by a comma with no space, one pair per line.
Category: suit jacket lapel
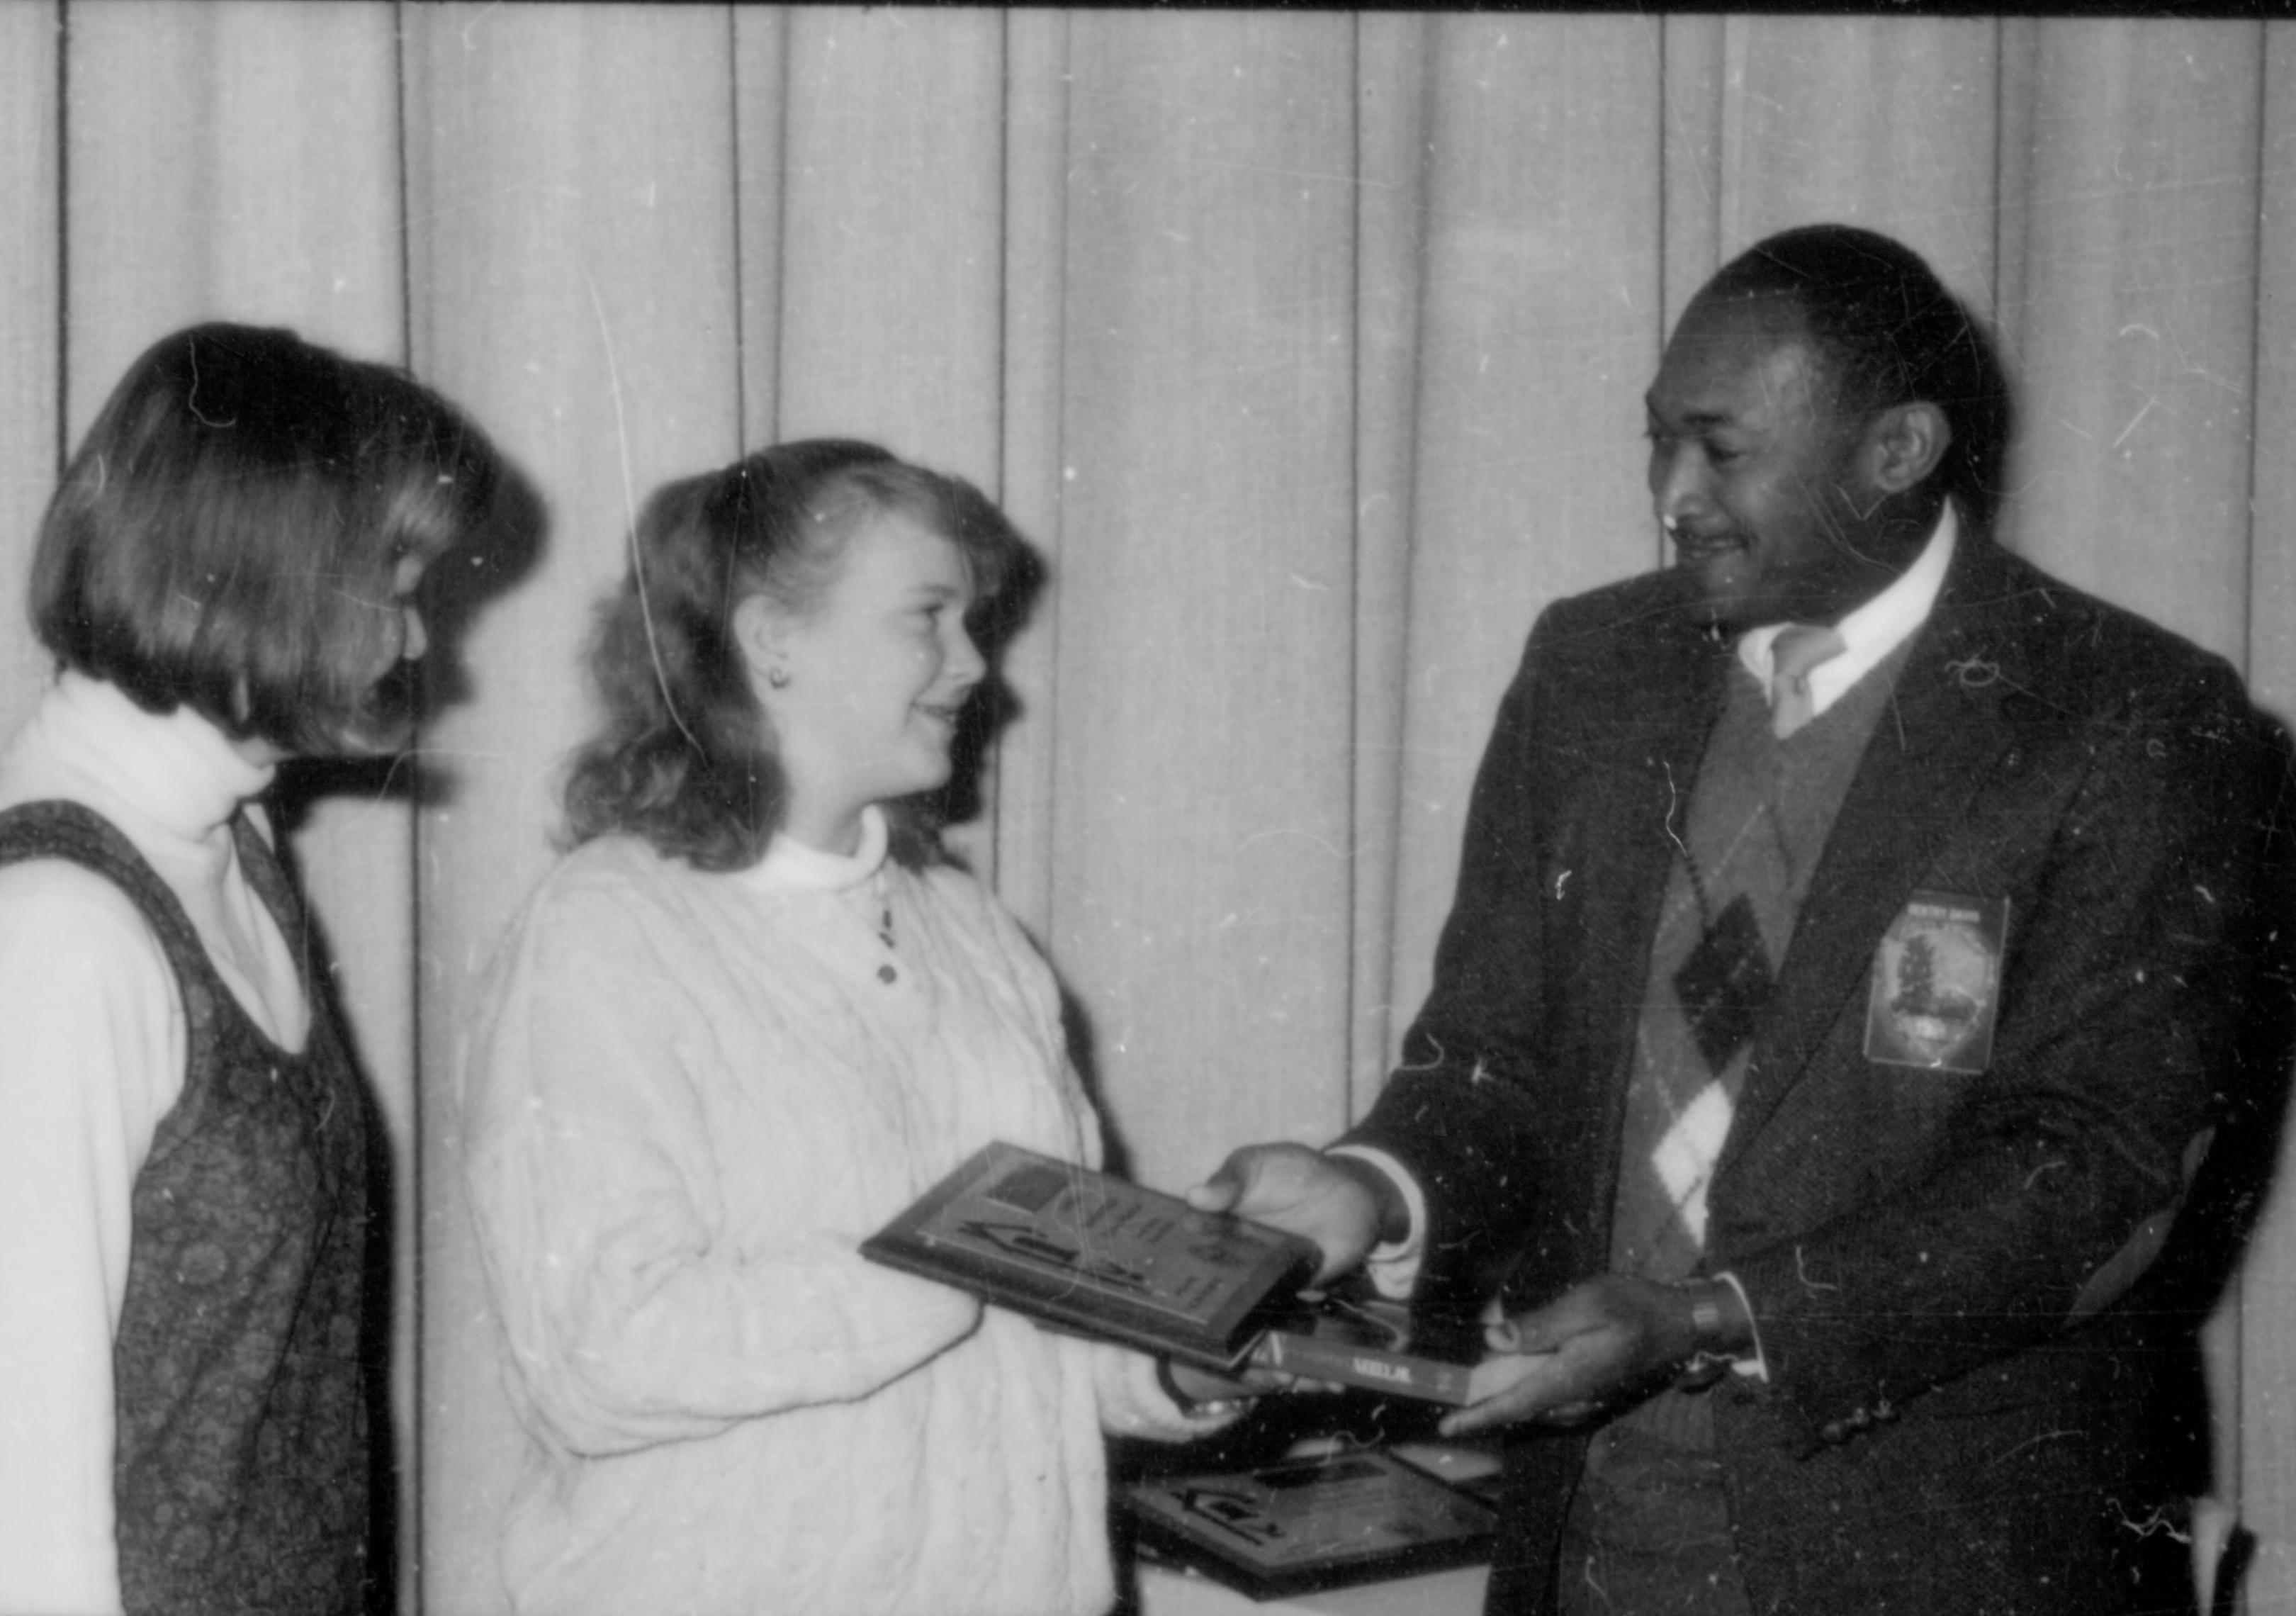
1940,739
1665,702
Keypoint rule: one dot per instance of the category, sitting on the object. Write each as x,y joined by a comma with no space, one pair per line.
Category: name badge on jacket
1936,983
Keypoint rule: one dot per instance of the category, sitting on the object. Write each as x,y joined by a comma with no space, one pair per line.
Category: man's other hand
1601,1344
1345,1206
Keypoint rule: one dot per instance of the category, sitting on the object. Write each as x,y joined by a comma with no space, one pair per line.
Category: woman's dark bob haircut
685,758
228,535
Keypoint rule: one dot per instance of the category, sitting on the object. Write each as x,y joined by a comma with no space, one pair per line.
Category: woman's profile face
404,640
872,680
389,681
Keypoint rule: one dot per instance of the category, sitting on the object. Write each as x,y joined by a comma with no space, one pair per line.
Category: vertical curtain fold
2256,1386
1035,97
2133,345
891,248
758,101
1538,330
31,62
1393,61
1200,850
572,254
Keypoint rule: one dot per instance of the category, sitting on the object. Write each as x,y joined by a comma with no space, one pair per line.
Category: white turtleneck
790,865
92,1057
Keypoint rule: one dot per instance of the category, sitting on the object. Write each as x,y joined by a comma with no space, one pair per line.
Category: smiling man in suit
1856,944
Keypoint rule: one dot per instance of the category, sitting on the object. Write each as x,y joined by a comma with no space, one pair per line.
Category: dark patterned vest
240,1465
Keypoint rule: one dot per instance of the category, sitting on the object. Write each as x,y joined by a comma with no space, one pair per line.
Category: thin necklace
886,973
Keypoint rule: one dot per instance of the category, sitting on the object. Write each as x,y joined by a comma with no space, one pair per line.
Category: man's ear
1904,444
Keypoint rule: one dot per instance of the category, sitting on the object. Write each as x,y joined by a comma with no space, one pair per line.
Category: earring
777,677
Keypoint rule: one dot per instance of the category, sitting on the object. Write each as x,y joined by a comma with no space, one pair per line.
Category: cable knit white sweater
688,1097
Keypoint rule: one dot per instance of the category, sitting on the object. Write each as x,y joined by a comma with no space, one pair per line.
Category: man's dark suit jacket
1968,1408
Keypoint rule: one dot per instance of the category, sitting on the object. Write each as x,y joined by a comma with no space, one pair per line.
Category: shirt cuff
1393,1266
1756,1367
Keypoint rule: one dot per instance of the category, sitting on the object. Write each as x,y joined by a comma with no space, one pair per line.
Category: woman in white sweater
226,579
750,1017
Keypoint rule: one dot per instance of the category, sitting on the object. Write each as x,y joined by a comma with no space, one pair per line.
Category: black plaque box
1272,1531
1095,1254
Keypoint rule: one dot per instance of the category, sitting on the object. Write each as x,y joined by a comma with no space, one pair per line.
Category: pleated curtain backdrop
1308,348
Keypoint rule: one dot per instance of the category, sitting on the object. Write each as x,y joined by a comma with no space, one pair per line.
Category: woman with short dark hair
225,577
751,1016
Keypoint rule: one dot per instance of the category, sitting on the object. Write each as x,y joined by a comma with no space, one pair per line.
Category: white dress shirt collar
1874,629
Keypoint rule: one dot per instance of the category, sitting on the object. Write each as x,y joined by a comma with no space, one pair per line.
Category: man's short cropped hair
1895,335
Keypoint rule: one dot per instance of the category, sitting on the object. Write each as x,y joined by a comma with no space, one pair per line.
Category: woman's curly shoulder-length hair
228,535
685,758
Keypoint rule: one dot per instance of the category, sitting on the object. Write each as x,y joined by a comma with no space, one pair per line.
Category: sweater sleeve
630,1315
1134,1404
92,1057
